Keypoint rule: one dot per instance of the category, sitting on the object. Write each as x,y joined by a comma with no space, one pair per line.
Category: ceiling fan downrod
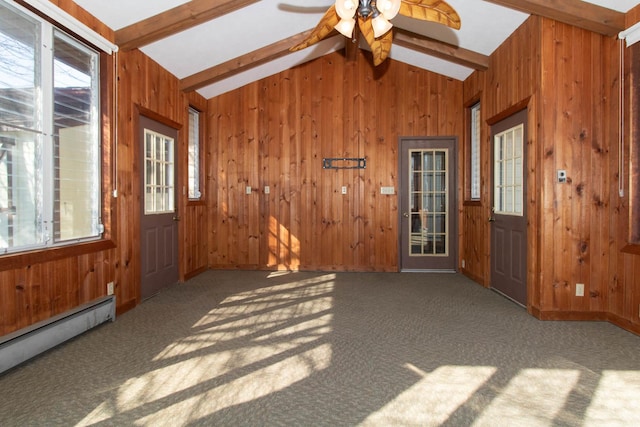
365,9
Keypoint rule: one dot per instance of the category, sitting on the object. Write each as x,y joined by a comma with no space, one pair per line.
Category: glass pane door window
429,203
508,170
158,173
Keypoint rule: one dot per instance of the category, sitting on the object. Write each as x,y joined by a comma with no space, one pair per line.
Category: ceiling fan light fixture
345,27
346,9
380,26
389,8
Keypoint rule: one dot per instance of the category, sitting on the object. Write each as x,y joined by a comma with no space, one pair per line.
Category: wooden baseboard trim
126,306
587,316
472,276
194,273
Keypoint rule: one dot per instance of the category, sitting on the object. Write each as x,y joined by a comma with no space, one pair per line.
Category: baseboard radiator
26,343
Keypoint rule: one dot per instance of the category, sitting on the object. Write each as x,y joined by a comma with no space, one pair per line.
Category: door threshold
508,297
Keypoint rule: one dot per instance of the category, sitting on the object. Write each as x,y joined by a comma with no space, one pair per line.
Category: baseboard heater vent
20,346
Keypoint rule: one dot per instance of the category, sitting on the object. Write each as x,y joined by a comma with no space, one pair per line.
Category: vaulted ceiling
214,46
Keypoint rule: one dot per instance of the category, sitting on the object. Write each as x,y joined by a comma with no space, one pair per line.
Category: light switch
248,189
387,190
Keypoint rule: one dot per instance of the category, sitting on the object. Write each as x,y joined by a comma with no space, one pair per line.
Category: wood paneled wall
579,135
275,132
511,82
46,284
568,79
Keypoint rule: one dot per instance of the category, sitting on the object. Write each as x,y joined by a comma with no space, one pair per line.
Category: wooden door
158,228
508,218
428,220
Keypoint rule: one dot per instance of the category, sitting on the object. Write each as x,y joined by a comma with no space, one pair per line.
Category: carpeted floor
336,349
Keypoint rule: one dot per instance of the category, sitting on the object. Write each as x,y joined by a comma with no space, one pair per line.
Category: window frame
634,149
199,197
469,197
104,241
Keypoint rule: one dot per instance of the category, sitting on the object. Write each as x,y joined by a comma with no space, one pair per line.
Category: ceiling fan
373,18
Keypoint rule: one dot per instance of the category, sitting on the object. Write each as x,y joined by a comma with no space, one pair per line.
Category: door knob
406,215
492,219
176,218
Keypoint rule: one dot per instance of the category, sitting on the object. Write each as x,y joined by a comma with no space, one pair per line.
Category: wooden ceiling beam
457,55
241,63
574,12
172,21
278,49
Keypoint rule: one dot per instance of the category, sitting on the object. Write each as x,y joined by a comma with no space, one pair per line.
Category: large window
50,185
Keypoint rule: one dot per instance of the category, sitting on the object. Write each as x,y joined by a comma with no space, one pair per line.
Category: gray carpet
336,349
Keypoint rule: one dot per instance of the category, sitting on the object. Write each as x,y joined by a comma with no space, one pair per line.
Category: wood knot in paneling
549,152
583,246
583,135
598,202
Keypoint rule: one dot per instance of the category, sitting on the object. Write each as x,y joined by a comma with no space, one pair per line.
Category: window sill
631,248
24,259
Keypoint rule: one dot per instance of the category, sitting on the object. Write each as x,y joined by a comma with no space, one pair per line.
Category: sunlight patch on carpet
534,397
616,401
432,400
250,345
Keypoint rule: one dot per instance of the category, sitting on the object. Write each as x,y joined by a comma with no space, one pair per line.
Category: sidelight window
194,154
474,152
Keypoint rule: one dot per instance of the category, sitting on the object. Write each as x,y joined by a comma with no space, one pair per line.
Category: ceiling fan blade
381,46
431,10
324,27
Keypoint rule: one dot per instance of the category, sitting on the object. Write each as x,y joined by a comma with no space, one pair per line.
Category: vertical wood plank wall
275,132
512,79
39,290
569,79
145,88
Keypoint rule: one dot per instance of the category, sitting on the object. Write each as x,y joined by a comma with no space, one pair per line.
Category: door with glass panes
509,212
428,223
158,227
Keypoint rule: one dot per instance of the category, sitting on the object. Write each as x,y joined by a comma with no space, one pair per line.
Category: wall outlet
344,189
110,289
267,190
579,289
464,263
